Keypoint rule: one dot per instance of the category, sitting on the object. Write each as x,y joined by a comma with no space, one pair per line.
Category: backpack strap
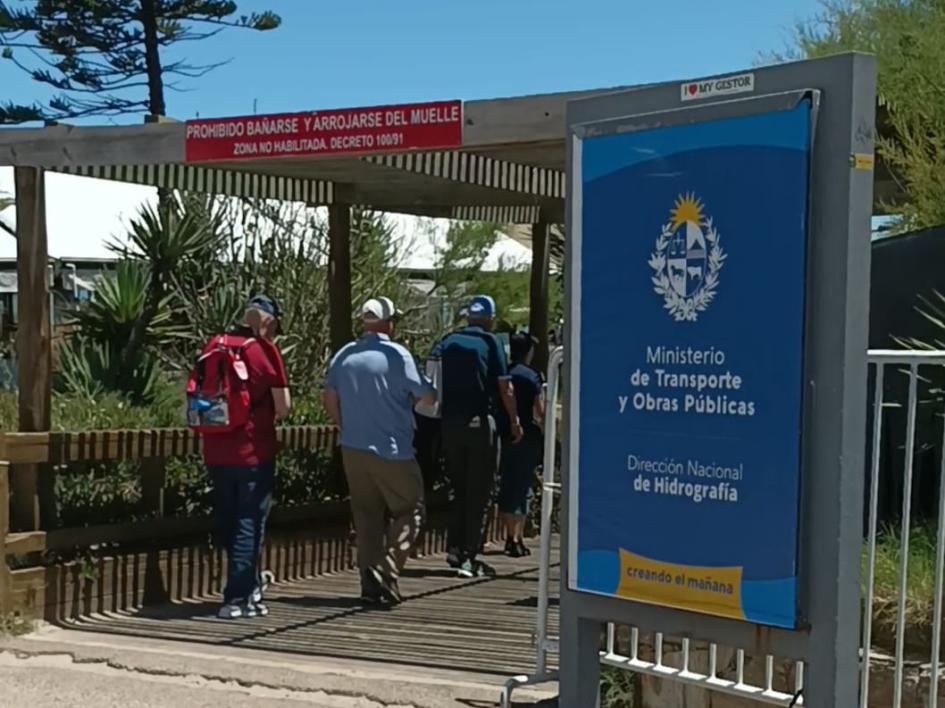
246,344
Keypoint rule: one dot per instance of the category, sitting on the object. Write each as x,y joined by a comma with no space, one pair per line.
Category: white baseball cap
379,308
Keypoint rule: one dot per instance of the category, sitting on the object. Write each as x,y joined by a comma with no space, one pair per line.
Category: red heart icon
692,89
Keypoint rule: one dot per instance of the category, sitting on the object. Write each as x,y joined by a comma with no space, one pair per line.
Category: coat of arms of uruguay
687,260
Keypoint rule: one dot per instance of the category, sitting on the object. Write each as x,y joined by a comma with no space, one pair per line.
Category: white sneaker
266,578
248,610
230,611
255,609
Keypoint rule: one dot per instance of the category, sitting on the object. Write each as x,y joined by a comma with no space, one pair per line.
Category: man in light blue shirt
371,388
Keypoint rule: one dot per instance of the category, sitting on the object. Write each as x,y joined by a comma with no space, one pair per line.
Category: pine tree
104,57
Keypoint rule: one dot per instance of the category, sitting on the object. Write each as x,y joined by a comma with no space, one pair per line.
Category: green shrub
617,688
108,411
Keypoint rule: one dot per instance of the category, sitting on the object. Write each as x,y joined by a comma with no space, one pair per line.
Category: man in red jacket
241,463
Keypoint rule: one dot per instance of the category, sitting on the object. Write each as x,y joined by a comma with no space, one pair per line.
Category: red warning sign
349,130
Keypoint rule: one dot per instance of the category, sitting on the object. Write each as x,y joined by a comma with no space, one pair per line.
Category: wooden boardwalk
480,625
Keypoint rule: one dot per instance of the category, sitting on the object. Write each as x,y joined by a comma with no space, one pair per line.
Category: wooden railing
27,496
61,574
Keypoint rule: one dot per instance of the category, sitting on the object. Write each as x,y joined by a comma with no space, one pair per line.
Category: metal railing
713,678
549,488
676,664
880,360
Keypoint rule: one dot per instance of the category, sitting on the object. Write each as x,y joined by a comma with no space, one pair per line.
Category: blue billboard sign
689,246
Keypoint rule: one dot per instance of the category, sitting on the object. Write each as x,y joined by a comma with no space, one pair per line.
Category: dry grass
919,590
14,625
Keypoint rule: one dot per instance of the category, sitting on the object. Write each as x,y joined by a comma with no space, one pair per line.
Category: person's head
262,316
522,346
379,315
481,311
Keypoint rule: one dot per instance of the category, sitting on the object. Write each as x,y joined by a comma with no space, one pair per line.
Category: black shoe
475,569
523,549
509,546
484,570
452,559
513,549
370,589
387,587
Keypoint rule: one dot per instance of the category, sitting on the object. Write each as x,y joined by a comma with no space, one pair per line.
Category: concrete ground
65,668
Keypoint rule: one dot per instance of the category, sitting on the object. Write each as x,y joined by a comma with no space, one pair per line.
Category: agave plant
164,238
131,320
118,303
88,369
933,309
89,363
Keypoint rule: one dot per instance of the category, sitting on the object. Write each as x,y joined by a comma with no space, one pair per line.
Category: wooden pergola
508,167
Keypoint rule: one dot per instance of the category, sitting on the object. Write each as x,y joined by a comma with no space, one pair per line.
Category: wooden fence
114,567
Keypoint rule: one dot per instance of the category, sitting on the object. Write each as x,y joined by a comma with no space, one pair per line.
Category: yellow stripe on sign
713,590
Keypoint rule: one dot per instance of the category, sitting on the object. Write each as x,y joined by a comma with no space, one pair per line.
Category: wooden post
5,583
33,345
538,295
153,479
339,275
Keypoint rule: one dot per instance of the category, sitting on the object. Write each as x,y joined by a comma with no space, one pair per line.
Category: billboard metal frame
835,370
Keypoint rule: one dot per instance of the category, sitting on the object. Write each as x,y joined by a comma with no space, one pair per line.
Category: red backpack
218,388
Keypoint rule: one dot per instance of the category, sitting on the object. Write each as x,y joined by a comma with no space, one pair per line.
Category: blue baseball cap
264,303
481,306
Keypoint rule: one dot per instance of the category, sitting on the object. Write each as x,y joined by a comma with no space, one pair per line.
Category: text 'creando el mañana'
705,390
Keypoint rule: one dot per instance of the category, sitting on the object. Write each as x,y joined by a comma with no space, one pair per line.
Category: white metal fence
770,680
885,364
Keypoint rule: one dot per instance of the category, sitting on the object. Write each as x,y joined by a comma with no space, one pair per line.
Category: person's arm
281,398
331,401
419,387
332,404
506,389
539,408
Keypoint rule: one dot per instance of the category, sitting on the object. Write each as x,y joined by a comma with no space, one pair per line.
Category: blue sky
370,52
365,52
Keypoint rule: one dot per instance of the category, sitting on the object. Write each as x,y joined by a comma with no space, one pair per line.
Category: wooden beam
66,145
6,584
521,119
33,332
34,357
538,294
489,122
21,544
153,480
339,275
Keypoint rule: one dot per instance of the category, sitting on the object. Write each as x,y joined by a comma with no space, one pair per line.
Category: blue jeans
241,499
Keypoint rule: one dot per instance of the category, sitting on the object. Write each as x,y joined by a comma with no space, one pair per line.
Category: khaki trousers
380,487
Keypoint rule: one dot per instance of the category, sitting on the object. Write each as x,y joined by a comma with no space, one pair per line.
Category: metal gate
768,679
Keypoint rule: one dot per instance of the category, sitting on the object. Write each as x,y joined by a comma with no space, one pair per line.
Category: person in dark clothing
520,461
476,388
